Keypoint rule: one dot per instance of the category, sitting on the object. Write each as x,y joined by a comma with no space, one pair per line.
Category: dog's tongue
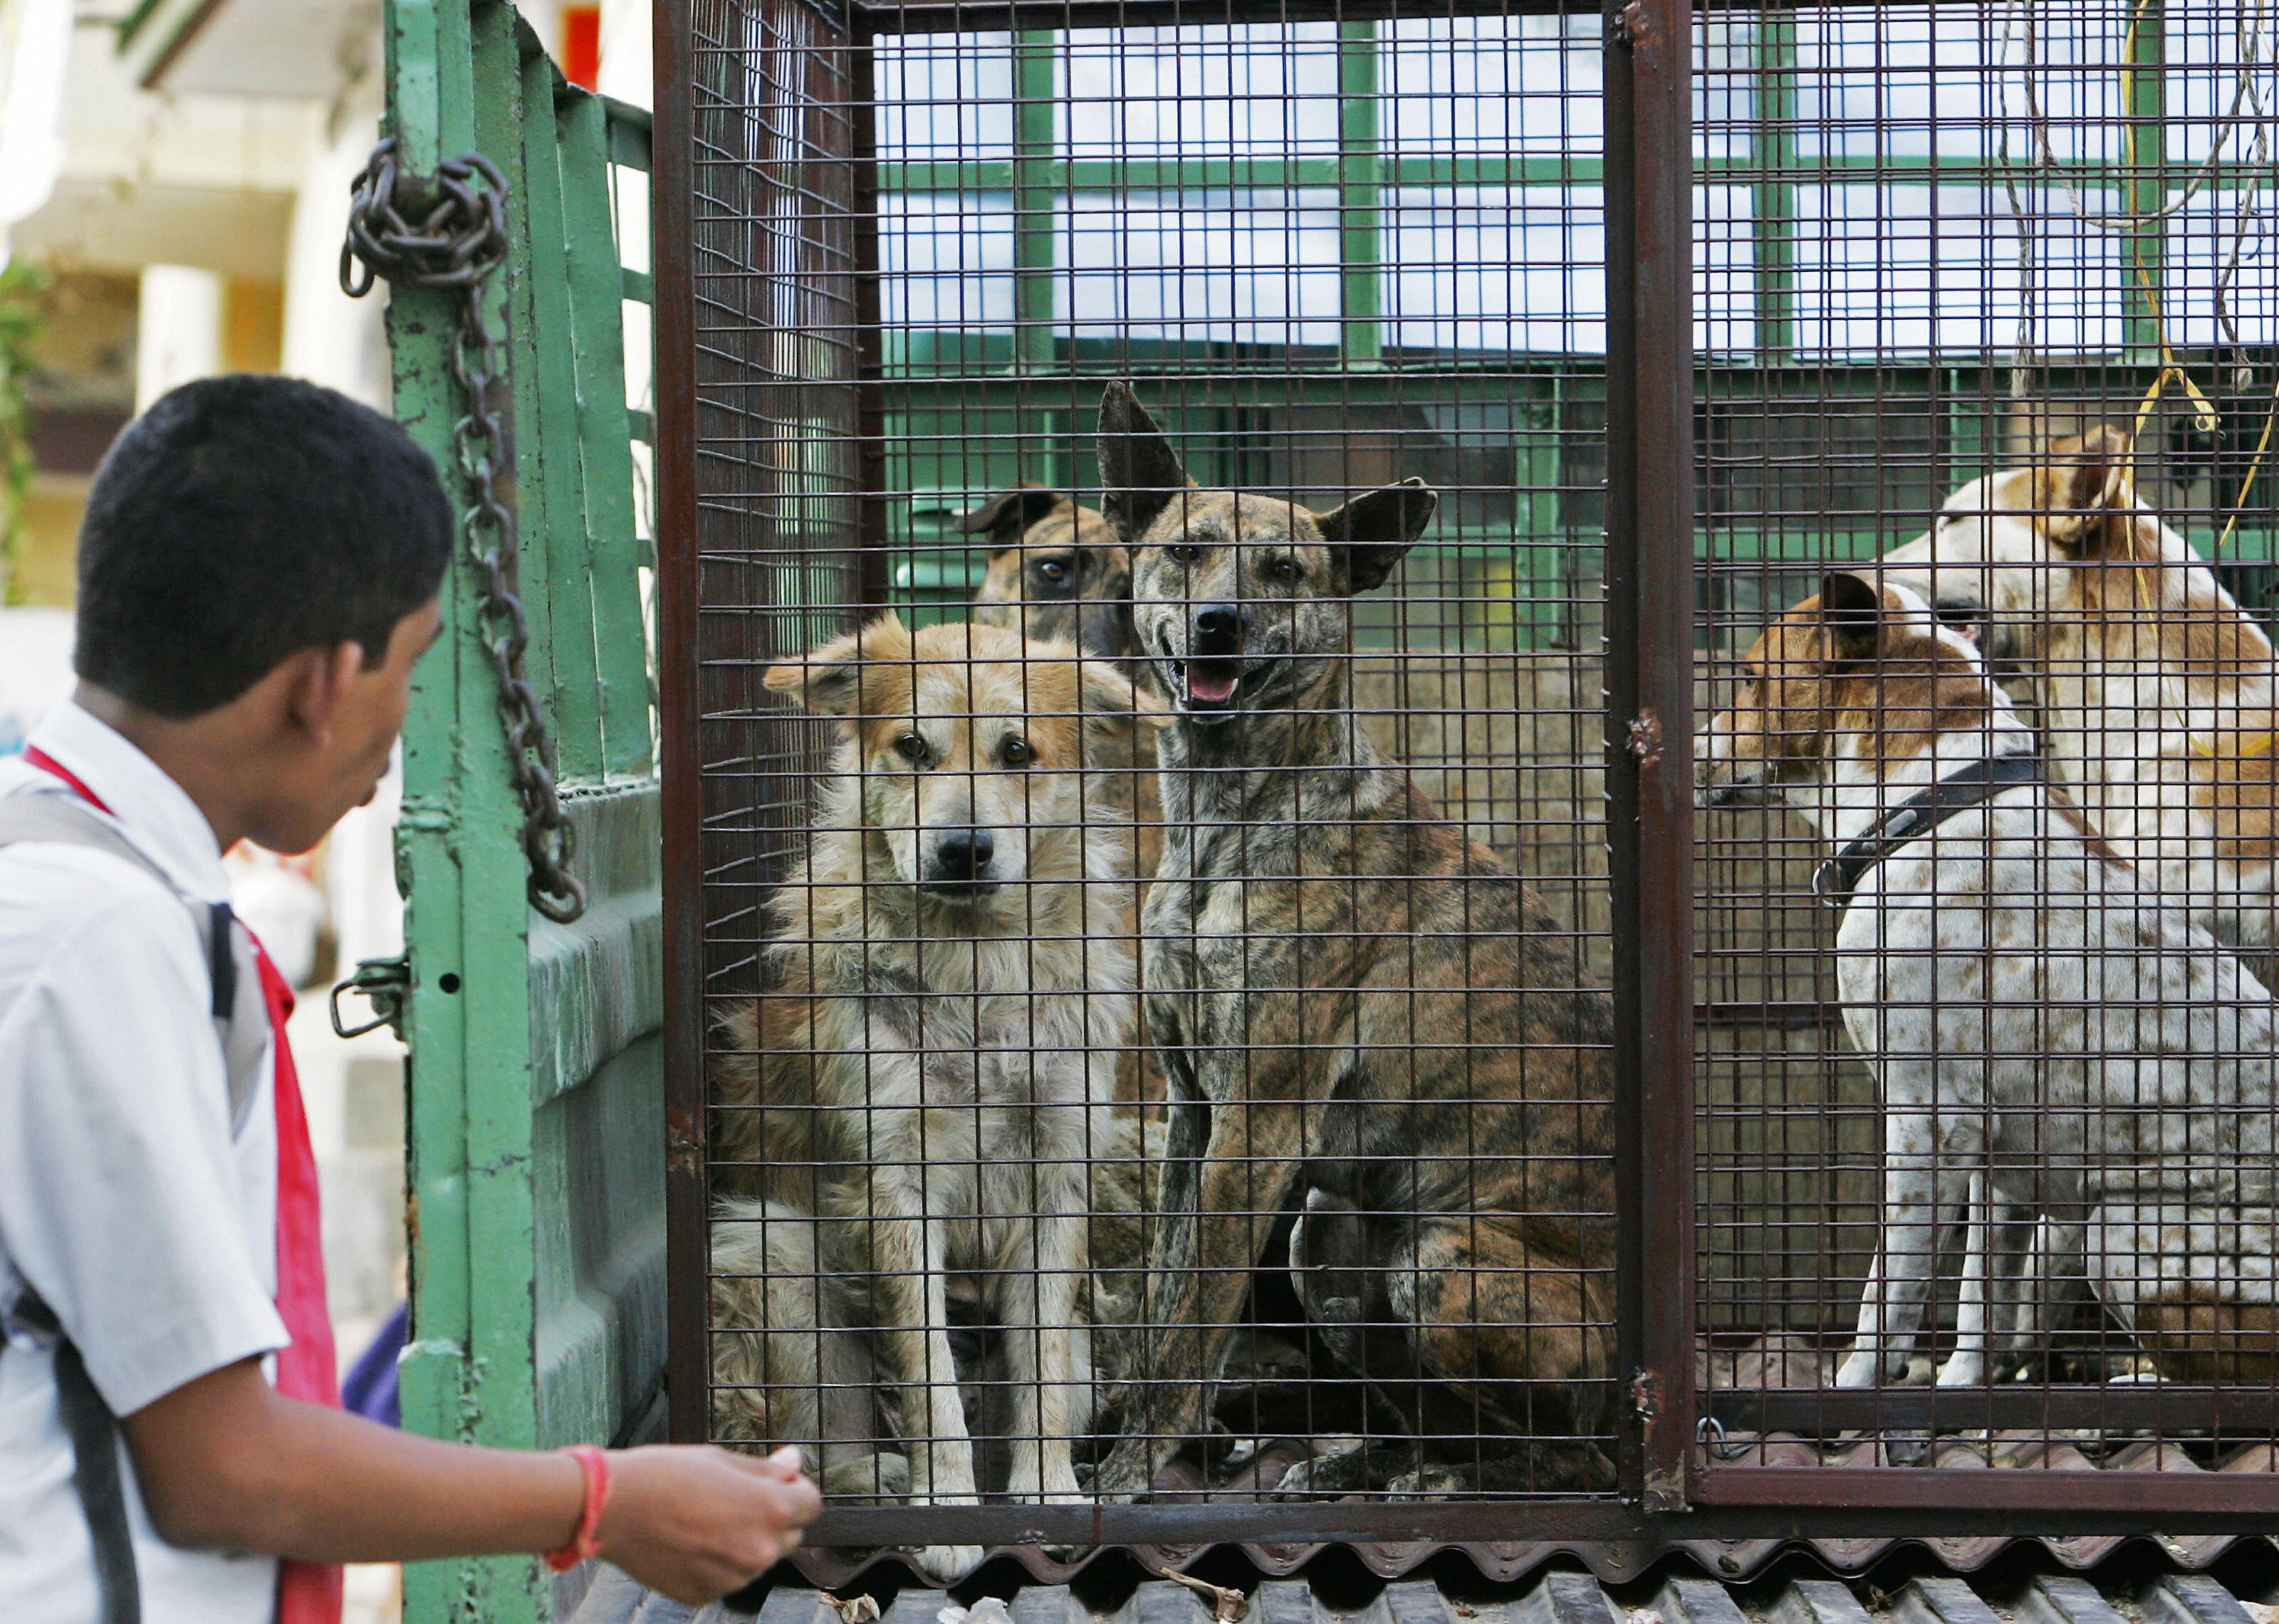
1213,681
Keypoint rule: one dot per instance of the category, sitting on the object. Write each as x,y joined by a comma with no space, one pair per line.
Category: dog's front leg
1966,1365
1927,1163
913,1308
1040,1348
1197,1279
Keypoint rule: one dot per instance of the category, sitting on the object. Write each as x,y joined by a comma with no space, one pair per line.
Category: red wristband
585,1544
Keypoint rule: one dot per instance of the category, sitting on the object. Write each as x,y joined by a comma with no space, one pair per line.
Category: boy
258,571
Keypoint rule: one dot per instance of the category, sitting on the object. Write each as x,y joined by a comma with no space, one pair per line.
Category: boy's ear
1853,611
830,679
316,680
1371,533
1006,517
1139,473
2082,483
1114,705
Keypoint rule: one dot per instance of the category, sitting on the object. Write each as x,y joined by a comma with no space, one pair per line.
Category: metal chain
449,231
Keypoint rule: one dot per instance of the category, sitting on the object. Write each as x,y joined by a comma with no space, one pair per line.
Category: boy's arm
226,1460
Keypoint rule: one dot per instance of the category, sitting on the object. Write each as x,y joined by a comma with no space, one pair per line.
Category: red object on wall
582,44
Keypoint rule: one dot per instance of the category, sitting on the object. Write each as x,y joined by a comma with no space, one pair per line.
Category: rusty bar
1649,717
678,704
993,16
2161,1407
2131,1497
1776,1015
870,479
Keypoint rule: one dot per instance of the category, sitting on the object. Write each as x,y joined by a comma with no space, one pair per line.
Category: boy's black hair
240,520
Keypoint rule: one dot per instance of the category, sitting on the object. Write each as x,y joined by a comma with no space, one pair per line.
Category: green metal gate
536,1127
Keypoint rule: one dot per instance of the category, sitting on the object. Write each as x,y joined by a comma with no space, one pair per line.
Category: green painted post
1773,160
430,109
2144,179
1540,573
1361,201
549,459
1035,197
597,337
1970,446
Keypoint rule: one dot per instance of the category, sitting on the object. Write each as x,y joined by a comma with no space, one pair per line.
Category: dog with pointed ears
1364,1016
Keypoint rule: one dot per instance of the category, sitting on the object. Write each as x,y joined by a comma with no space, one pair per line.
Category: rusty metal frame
678,589
1674,1489
1649,571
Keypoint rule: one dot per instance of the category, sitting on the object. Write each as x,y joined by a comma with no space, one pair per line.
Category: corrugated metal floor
2141,1587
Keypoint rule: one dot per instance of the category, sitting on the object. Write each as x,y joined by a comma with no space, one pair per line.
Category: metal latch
1630,25
384,984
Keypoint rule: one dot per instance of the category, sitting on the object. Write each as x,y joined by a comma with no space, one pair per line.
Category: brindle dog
1055,571
1362,1016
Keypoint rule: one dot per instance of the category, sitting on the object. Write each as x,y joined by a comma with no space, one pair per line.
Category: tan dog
1360,1014
923,1094
1056,572
2159,696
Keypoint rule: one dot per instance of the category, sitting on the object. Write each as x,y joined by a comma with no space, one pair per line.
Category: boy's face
342,770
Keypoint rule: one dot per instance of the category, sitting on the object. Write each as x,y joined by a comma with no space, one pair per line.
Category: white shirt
124,1199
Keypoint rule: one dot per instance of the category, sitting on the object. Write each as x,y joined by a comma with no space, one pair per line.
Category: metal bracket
384,984
1646,1395
1644,741
1631,25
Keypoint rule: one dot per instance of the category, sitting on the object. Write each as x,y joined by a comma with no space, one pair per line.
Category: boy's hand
227,1461
698,1522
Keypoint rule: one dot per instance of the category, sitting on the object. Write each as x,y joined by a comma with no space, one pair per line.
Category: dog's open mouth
1211,683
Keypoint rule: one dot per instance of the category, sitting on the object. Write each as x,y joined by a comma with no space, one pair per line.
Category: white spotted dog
2157,693
922,1103
2061,1051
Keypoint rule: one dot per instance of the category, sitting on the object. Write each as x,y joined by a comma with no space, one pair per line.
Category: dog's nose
1218,628
962,856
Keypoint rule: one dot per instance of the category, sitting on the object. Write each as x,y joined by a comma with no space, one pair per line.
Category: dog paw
1962,1369
1428,1482
1865,1368
1350,1471
945,1564
1125,1476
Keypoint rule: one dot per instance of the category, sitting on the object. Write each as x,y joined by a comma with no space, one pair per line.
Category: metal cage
1681,318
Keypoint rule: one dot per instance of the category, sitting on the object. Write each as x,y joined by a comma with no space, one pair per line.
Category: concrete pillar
178,330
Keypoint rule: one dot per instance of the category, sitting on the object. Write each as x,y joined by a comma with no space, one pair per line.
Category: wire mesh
1181,1059
1985,1137
1023,1188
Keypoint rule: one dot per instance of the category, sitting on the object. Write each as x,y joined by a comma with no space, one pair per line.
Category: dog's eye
1016,753
1284,570
1185,553
913,749
1053,569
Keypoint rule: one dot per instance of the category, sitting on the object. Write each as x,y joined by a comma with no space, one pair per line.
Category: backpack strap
94,1433
240,1019
241,1026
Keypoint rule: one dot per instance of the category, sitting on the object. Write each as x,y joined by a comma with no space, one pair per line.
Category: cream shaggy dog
922,1109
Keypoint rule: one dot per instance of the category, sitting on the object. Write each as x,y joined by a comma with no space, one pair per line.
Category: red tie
307,1368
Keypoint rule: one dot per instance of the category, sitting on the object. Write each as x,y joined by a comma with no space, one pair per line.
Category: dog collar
1916,817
